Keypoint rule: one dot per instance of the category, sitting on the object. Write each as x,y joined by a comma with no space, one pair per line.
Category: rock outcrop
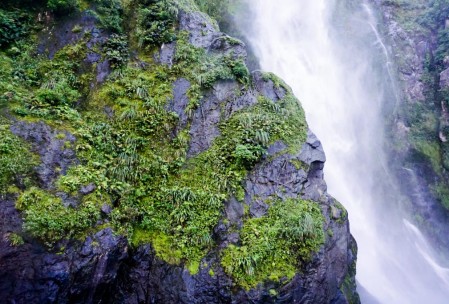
419,126
103,267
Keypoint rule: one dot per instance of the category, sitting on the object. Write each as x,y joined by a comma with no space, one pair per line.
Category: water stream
332,55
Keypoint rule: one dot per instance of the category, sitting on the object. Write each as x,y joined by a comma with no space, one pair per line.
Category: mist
331,53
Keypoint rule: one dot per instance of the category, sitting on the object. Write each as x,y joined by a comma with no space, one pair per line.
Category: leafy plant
56,92
13,26
62,6
110,14
156,22
49,220
274,246
117,50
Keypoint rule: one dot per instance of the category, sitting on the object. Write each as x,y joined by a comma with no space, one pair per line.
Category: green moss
274,246
204,69
193,267
15,239
442,192
62,6
156,22
117,50
430,150
14,24
16,160
299,164
110,14
49,220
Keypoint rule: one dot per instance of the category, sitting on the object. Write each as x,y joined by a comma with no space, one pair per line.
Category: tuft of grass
15,239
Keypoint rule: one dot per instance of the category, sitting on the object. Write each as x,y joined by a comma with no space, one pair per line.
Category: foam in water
332,55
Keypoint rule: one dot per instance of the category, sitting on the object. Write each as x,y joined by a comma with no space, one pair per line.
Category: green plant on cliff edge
274,246
48,219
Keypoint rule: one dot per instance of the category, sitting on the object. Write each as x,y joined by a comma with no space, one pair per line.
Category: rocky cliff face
162,182
418,136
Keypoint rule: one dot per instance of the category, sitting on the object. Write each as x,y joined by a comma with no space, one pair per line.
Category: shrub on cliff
13,25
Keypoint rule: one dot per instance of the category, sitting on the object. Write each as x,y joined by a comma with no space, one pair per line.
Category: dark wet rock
88,189
225,90
204,126
228,46
106,209
179,102
444,79
281,178
167,54
58,34
336,212
275,148
202,31
240,102
204,34
10,218
51,146
32,275
68,200
108,111
267,87
258,208
234,210
103,71
102,270
93,58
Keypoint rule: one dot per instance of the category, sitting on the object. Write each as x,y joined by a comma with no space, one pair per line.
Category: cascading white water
331,54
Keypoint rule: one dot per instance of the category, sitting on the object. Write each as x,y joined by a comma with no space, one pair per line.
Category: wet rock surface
179,102
81,274
52,147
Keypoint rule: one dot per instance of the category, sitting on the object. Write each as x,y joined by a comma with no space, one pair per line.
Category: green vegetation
156,22
223,11
13,26
15,239
273,246
442,192
127,147
117,50
48,219
62,6
16,162
424,116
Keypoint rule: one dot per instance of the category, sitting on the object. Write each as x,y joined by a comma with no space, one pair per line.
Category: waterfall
333,57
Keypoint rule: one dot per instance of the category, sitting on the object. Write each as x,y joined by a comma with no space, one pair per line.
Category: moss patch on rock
274,246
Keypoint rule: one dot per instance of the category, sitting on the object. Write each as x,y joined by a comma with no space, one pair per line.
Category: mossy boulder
178,177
